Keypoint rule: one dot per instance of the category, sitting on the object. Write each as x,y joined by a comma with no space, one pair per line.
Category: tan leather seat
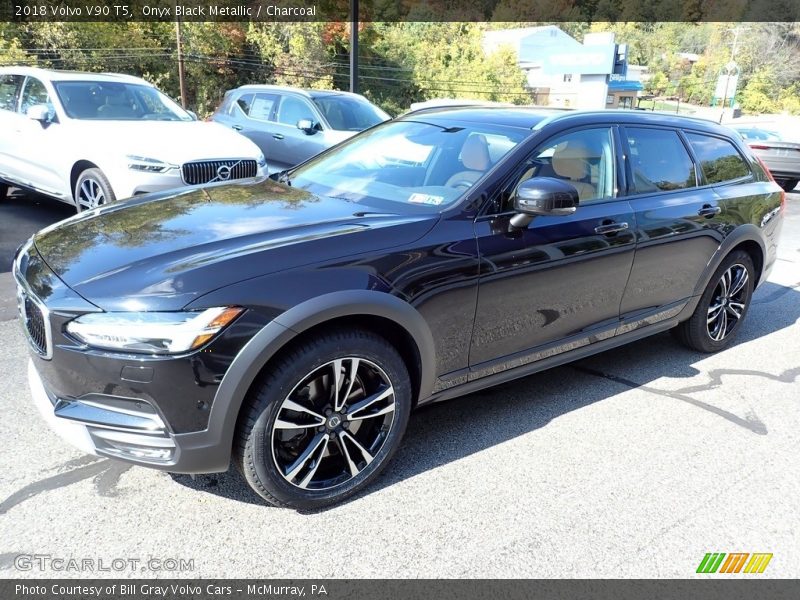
571,162
475,157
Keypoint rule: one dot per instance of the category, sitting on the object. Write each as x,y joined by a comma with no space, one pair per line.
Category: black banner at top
402,10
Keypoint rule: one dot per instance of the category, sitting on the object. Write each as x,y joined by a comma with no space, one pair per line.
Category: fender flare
743,233
217,439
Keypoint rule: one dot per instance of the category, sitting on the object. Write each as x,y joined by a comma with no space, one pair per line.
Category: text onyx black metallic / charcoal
291,325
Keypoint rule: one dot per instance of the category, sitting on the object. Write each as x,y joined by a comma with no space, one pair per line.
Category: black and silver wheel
3,190
722,306
92,189
325,420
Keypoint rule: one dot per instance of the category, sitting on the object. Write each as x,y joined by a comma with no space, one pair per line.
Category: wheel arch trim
216,442
744,233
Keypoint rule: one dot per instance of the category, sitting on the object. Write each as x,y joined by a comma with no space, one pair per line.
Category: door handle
237,127
277,136
709,211
610,228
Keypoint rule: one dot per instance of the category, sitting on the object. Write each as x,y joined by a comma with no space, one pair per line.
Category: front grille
207,171
36,326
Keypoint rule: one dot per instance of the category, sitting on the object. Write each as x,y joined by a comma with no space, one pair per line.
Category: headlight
262,160
148,165
152,332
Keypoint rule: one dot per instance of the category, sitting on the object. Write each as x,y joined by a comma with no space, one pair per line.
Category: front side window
292,110
719,159
422,165
34,93
9,91
117,101
659,160
584,159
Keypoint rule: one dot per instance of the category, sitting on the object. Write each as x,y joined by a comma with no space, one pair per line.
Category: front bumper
135,432
136,435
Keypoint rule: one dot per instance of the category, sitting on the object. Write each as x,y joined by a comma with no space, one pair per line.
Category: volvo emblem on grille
223,173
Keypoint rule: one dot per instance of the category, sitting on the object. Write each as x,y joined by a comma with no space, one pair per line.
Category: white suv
88,139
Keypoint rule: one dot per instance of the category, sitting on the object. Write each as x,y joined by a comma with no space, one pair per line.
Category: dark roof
529,117
522,117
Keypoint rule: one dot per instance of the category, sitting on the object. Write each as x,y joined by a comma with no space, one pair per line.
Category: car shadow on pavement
442,433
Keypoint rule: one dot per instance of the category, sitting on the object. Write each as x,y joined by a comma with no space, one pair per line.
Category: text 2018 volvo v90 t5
291,326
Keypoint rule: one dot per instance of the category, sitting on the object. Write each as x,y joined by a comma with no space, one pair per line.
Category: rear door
678,224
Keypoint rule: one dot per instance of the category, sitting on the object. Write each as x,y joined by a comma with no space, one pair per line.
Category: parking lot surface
632,463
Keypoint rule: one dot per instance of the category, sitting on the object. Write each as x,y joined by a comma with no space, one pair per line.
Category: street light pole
731,66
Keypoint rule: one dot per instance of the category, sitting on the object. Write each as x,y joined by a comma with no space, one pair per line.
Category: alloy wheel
332,425
728,302
90,194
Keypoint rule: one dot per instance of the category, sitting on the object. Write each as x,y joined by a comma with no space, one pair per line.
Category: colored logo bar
736,562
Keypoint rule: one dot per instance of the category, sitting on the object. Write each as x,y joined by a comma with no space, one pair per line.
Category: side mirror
193,115
39,112
543,196
307,126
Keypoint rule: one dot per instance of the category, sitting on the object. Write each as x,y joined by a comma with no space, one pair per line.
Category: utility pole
181,74
354,46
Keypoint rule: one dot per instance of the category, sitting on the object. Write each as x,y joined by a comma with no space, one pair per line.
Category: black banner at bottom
392,589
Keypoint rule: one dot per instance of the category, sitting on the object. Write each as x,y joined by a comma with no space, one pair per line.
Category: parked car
290,125
782,158
89,138
292,325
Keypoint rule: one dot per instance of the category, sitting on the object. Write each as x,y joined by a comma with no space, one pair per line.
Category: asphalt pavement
633,463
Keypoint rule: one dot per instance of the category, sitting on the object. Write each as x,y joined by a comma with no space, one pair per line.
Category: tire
297,467
92,189
698,333
788,184
3,191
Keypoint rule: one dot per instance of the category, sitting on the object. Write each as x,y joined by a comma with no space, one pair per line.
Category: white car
88,139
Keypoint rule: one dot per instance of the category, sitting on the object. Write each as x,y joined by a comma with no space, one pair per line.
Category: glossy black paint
490,298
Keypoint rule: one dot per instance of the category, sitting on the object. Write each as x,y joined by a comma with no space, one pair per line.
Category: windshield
344,113
419,164
117,101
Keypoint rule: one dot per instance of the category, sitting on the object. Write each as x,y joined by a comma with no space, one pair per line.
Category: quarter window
718,158
659,160
33,94
9,91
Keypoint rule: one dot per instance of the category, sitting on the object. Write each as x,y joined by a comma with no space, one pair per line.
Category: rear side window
659,160
9,91
719,158
262,106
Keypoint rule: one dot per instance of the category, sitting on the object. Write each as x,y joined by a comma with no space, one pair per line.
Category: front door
557,284
37,141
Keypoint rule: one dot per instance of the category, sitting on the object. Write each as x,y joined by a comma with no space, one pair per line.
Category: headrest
571,160
475,153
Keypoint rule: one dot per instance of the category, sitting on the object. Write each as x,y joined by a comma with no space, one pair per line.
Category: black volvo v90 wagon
291,325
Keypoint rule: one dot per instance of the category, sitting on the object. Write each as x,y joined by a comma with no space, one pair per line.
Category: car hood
161,252
173,142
